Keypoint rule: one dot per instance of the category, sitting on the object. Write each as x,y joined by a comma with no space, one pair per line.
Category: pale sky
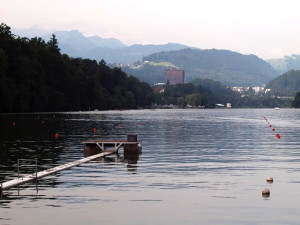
266,28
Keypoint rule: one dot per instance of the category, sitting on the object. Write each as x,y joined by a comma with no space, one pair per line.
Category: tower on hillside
174,76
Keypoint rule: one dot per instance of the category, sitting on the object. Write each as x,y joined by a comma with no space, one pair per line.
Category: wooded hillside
229,68
35,76
286,84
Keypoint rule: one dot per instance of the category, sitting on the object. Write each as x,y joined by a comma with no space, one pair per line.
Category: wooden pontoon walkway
34,176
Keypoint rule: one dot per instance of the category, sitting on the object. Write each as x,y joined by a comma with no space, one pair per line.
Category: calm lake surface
197,167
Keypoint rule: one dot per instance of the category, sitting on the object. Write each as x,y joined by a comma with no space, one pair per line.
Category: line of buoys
273,129
266,192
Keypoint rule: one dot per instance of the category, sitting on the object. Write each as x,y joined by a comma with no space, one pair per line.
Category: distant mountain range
229,68
286,63
130,54
75,44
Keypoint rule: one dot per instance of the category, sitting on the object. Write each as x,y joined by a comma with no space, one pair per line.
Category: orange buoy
139,123
94,130
270,125
278,135
153,121
273,129
56,135
121,126
43,121
14,123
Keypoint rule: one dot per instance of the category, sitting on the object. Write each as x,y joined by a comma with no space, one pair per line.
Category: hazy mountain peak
286,63
31,32
106,42
112,50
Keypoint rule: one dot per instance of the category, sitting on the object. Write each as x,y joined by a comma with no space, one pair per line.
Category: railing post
30,165
36,176
18,168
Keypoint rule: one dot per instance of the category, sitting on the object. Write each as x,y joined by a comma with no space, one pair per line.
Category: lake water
197,167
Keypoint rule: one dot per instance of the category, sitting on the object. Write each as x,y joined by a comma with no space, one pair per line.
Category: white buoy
266,192
269,180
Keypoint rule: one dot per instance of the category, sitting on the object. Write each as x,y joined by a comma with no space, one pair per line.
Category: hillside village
173,76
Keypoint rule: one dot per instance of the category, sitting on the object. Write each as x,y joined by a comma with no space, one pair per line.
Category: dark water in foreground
197,167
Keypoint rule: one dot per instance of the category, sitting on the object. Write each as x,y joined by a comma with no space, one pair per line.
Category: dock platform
93,149
102,144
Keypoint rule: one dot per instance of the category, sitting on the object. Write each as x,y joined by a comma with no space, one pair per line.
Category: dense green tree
199,93
52,45
296,102
181,102
262,102
35,76
5,32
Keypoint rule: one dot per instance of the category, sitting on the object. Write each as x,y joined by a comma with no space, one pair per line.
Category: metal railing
23,163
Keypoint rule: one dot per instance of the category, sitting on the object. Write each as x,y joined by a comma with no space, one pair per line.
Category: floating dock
131,146
93,149
35,176
101,145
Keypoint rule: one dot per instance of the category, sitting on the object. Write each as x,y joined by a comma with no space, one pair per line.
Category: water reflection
196,164
132,162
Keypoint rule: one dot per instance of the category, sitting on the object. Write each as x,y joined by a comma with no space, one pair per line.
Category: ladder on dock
131,146
35,176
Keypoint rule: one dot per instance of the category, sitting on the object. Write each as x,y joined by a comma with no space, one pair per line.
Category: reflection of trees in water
29,138
32,137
